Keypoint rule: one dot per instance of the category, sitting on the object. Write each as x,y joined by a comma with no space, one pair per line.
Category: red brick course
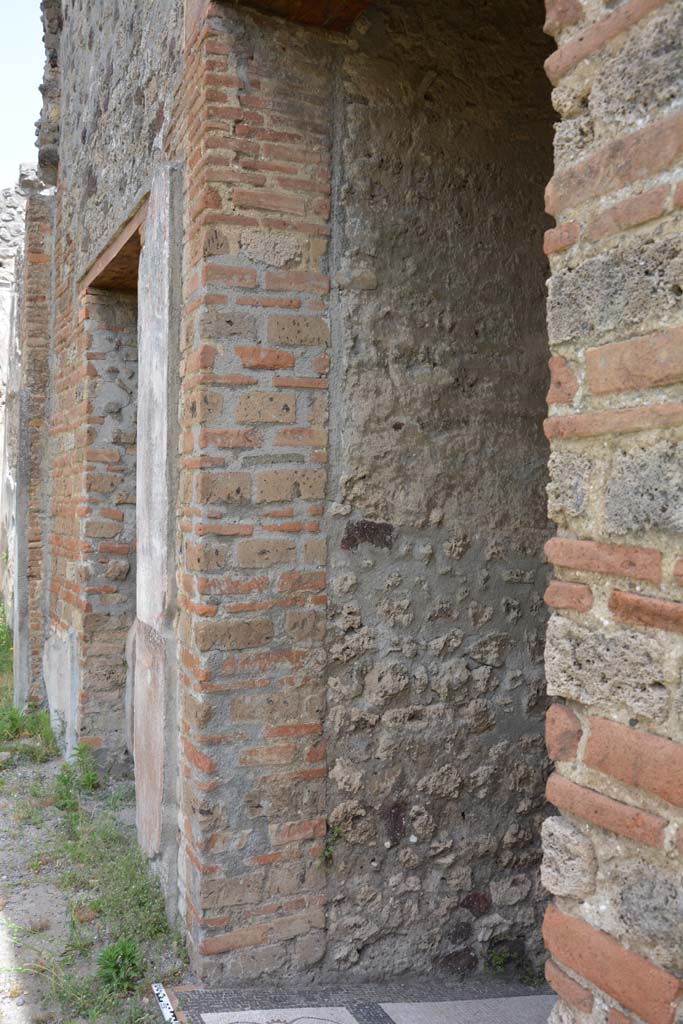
646,362
654,148
563,237
637,983
628,213
575,597
646,611
563,384
636,758
568,989
562,733
618,421
597,35
604,812
561,14
612,559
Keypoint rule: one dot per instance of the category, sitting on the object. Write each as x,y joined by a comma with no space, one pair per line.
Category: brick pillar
614,650
34,340
252,127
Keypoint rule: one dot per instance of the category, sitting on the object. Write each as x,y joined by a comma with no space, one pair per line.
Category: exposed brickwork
597,35
251,586
330,190
608,814
616,486
615,560
652,361
636,758
637,983
572,596
34,332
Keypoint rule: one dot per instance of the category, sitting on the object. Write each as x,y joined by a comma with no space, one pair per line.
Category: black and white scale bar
164,1002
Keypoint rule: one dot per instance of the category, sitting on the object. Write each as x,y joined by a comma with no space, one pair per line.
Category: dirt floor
62,904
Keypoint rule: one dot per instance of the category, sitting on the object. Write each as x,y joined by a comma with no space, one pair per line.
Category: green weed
6,643
499,960
25,733
119,966
87,776
333,836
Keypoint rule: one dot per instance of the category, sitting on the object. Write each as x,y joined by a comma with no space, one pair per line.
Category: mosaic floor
518,1010
417,1002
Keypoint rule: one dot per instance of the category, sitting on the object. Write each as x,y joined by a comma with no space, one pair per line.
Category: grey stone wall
436,628
119,61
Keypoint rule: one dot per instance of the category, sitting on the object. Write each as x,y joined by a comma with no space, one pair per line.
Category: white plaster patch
520,1010
299,1015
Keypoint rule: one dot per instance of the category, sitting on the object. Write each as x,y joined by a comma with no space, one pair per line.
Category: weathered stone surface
643,78
640,902
109,133
569,865
568,485
385,681
645,490
637,286
623,669
381,197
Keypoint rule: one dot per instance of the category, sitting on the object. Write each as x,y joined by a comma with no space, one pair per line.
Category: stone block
624,668
569,865
619,290
233,634
568,488
642,78
645,490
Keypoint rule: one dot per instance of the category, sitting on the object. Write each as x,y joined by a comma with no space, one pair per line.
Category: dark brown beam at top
333,14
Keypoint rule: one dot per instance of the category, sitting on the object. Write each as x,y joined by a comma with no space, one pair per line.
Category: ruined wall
12,228
423,362
436,621
119,65
253,127
419,665
32,464
614,653
110,76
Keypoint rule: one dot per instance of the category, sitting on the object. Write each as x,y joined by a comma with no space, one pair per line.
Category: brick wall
253,127
92,511
35,319
100,147
614,651
12,228
107,535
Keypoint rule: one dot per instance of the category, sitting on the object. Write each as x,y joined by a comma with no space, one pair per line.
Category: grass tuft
119,966
26,734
